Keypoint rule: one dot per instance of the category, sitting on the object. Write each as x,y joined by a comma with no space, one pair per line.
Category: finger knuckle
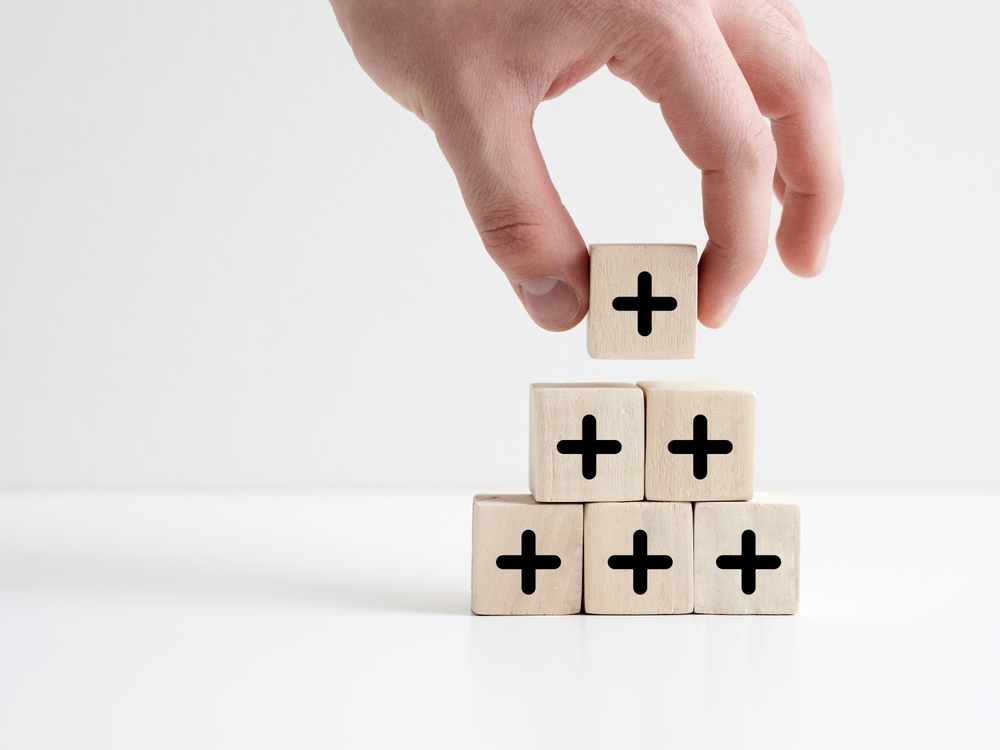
794,17
658,25
753,150
808,81
815,77
510,233
678,8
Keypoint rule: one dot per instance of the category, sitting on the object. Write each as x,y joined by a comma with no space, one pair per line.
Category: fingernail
729,311
823,255
550,302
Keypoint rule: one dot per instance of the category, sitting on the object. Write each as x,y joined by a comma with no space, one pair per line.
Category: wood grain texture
614,273
609,530
774,519
556,413
498,523
730,413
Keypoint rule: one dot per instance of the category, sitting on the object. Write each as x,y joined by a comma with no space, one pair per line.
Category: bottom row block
635,558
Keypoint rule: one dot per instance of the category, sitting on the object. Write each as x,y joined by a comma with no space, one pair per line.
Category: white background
319,620
228,259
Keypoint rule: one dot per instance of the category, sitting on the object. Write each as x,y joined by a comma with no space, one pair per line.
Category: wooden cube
643,301
746,556
586,442
527,558
638,558
699,441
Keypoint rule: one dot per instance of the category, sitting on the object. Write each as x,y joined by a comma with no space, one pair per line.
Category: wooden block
527,558
638,558
643,301
586,442
699,441
746,556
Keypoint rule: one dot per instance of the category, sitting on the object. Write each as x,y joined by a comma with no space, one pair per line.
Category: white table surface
300,620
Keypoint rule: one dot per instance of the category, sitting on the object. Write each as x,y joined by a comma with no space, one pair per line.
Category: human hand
475,70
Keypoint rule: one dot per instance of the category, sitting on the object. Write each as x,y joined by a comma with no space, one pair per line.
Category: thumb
522,222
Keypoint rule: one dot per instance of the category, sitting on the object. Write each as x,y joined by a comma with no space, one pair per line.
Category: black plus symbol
639,562
589,447
528,562
644,303
700,447
749,562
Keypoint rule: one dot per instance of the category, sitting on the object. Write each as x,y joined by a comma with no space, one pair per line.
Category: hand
475,70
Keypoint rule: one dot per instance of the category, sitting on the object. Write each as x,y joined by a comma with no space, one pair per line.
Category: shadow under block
746,556
527,558
638,558
586,442
643,301
699,441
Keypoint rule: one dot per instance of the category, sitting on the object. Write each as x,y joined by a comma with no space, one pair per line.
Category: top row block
643,301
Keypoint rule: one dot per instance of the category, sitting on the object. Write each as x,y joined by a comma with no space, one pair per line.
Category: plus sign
589,446
639,562
528,562
700,447
644,303
749,562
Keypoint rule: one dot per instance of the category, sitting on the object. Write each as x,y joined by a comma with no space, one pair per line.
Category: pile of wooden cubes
643,497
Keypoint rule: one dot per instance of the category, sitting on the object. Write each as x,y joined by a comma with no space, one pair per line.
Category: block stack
642,495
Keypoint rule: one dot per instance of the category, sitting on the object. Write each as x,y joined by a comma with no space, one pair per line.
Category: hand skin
475,70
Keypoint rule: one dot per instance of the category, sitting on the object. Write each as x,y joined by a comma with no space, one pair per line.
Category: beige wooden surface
498,522
608,529
614,272
718,528
671,408
556,413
